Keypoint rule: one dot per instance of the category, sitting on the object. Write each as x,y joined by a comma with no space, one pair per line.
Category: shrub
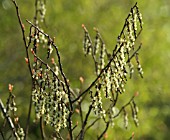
55,103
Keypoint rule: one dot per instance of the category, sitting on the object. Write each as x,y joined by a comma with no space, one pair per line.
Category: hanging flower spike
139,68
50,48
87,42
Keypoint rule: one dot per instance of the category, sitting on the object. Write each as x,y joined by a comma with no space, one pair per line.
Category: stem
42,129
28,118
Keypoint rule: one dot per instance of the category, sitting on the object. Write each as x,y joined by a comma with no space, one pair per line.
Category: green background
64,20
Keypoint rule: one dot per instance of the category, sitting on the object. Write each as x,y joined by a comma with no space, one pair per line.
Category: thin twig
92,124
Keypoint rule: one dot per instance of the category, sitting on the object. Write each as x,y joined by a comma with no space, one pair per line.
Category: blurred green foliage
64,19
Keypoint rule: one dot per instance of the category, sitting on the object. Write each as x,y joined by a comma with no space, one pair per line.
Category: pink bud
26,60
10,87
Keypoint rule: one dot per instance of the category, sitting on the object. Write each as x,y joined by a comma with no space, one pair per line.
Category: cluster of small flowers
139,15
131,69
98,51
134,20
49,96
139,68
126,120
49,92
87,42
20,133
97,103
101,58
114,77
112,112
12,105
38,38
135,111
125,44
131,33
119,74
42,38
97,44
50,49
11,112
107,83
41,8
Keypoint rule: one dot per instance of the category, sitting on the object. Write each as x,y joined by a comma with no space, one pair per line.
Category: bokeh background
64,20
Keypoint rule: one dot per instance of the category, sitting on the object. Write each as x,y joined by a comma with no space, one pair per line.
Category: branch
93,83
29,65
92,124
107,126
134,53
63,75
7,117
82,132
23,34
124,107
115,52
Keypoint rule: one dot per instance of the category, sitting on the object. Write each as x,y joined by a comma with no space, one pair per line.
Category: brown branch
92,124
82,132
29,65
107,126
124,107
